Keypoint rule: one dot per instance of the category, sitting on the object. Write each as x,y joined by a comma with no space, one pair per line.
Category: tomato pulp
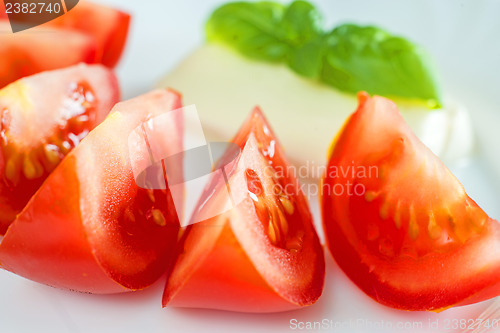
43,117
89,33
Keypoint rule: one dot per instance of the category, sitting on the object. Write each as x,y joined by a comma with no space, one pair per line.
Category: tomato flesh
263,255
41,49
42,118
408,234
89,33
108,26
90,227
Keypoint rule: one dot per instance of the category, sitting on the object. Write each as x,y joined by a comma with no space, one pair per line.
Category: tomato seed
151,196
65,147
397,215
287,204
294,245
370,196
283,223
433,229
413,228
52,154
158,217
384,210
12,171
272,233
32,168
130,215
477,222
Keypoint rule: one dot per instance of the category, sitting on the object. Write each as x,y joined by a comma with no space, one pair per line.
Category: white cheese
306,115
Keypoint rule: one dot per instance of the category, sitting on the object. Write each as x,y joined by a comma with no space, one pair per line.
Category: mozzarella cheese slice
306,115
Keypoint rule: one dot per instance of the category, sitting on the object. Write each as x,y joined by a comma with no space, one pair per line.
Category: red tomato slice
88,33
41,49
3,14
42,117
89,227
264,254
399,223
107,25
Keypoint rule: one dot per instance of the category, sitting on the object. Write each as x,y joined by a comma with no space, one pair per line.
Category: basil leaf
350,57
368,58
306,60
254,29
302,23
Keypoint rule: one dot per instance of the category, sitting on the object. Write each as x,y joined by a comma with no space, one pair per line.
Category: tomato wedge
3,14
108,26
398,223
40,49
89,32
263,255
42,117
90,227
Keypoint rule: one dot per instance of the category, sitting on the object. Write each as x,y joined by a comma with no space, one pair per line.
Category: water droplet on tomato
269,151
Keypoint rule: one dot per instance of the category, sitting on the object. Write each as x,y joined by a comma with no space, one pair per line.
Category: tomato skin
89,33
3,14
39,111
47,243
226,279
108,26
437,289
409,262
228,262
42,49
89,228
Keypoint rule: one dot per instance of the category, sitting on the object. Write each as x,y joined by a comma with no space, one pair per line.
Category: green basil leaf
302,23
254,29
350,57
306,60
368,58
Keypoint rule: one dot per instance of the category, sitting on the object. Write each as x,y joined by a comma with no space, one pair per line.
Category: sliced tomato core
276,213
77,119
42,118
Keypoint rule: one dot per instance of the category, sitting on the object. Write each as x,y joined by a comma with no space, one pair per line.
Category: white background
463,38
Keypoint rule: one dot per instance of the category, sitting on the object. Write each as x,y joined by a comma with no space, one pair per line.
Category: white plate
462,36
